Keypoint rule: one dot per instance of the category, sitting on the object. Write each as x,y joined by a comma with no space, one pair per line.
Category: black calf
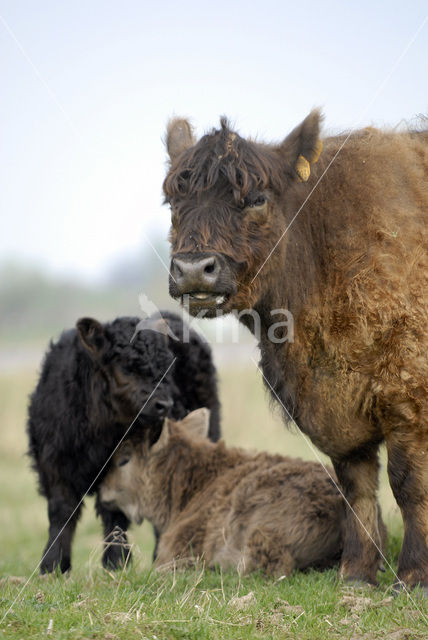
93,384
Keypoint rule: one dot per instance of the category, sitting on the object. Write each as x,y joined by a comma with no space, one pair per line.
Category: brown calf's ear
197,423
163,438
91,334
302,147
179,137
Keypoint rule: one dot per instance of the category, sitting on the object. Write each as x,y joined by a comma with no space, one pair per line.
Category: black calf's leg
63,515
116,549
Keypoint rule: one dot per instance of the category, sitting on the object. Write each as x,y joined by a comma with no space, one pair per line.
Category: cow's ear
179,137
163,438
92,336
303,146
197,423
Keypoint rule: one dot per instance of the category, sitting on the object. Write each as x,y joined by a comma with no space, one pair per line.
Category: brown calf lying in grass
229,507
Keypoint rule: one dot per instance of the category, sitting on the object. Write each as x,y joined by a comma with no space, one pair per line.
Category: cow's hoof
400,587
359,583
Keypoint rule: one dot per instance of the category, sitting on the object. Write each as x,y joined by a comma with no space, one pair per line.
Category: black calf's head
231,200
128,368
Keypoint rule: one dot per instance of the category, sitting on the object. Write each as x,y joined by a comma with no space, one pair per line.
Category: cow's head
231,200
135,483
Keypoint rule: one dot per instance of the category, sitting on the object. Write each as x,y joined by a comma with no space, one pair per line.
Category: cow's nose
195,275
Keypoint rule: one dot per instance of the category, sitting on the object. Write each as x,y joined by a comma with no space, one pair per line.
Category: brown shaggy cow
341,243
227,506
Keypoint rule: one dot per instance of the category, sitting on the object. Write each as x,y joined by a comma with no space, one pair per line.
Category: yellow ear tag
303,169
317,151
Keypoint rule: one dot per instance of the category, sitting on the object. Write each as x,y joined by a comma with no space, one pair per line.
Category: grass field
141,603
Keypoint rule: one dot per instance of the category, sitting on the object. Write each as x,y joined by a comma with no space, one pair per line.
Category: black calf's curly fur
94,381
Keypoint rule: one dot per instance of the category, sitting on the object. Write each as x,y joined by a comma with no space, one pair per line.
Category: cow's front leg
408,476
117,552
365,533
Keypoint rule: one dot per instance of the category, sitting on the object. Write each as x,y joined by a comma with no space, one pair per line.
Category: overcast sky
87,88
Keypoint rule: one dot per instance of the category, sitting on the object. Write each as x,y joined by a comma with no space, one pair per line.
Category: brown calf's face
135,483
125,482
229,200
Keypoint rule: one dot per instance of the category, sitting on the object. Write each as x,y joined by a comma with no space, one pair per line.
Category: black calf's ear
302,147
179,137
91,334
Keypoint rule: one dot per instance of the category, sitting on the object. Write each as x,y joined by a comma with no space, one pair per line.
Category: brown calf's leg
408,476
364,532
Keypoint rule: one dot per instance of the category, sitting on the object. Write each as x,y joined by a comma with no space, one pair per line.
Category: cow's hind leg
408,476
63,511
364,533
117,552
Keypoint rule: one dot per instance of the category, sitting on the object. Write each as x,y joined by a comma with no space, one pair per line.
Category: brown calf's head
136,481
231,200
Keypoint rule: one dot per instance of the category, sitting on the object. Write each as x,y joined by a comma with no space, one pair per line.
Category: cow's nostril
209,268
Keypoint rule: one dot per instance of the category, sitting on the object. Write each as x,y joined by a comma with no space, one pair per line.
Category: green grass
141,603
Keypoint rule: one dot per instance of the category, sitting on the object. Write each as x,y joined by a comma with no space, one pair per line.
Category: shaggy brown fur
227,506
352,269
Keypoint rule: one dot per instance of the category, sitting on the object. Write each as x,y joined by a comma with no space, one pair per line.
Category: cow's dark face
228,200
129,373
216,247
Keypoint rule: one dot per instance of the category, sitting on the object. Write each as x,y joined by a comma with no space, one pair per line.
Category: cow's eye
122,461
258,202
255,201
